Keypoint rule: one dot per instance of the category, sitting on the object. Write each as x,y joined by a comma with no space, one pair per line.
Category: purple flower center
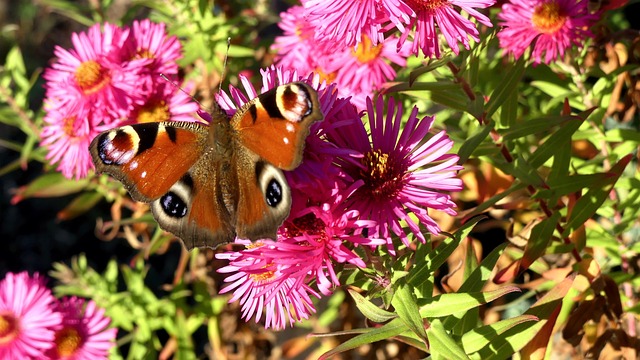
91,77
68,340
9,327
383,177
548,18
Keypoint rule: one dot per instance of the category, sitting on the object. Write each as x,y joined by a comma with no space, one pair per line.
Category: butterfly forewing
276,123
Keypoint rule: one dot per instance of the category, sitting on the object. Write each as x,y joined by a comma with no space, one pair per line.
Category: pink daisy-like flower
28,320
166,103
363,70
555,25
149,41
84,334
67,135
87,75
255,288
453,26
294,49
399,172
347,22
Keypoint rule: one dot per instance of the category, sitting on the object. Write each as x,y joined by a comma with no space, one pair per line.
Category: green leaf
505,88
393,328
535,126
441,345
554,142
80,205
369,310
539,239
51,185
404,302
478,338
449,304
591,201
422,270
469,146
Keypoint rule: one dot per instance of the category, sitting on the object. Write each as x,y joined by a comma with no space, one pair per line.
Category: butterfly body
207,184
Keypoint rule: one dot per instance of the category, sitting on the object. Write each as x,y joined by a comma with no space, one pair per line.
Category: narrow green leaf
468,147
430,66
80,205
509,111
591,201
506,87
404,302
535,126
540,237
393,328
478,338
422,270
554,142
369,310
571,184
449,304
51,185
521,169
441,345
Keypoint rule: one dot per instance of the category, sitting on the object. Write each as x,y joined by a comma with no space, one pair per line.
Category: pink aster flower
87,75
28,320
445,14
66,135
149,41
253,285
365,68
400,173
555,25
84,334
347,22
166,103
295,48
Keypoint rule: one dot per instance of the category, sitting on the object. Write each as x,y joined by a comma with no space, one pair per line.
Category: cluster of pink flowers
353,43
36,325
552,26
111,77
356,189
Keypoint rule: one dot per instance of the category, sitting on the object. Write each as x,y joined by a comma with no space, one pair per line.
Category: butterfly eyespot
173,205
273,195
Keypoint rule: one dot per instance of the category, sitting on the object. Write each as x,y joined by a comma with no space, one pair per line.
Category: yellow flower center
328,77
144,54
382,177
365,52
91,77
9,327
154,111
426,5
308,224
262,277
67,340
548,18
68,126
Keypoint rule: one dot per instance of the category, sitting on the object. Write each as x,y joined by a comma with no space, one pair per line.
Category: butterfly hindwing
276,123
264,201
193,209
169,165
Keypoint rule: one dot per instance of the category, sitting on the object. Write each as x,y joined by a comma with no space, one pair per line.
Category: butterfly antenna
224,65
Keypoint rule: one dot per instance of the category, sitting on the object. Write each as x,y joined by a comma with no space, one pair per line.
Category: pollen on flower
548,17
262,277
383,177
68,340
427,5
365,52
91,77
154,112
68,127
9,327
144,54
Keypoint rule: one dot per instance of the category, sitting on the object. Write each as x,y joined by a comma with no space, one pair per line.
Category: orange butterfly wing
275,124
